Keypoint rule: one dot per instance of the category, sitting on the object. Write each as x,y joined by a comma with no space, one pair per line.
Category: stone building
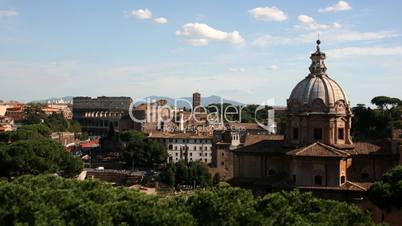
238,135
317,152
97,114
64,138
196,100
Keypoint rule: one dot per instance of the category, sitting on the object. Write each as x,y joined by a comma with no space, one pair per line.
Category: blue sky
248,51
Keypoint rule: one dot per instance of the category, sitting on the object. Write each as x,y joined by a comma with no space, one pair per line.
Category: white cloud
241,69
142,14
365,51
308,23
274,67
363,36
200,34
340,6
160,20
8,13
268,14
328,36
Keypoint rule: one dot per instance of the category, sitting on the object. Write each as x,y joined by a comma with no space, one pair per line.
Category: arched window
365,175
170,147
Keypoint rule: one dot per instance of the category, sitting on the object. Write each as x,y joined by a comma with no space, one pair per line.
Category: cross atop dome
318,67
318,44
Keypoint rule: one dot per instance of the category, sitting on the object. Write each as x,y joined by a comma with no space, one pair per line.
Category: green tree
141,151
132,135
37,156
47,199
31,131
134,154
157,151
186,173
228,206
384,102
56,122
387,192
216,179
34,114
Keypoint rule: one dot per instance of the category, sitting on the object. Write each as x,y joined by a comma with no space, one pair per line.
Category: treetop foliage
387,192
141,151
35,157
183,173
377,123
52,200
56,122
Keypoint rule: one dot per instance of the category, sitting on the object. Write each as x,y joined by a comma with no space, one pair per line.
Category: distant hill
53,100
205,101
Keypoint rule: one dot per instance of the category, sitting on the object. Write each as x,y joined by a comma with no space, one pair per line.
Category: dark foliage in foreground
387,192
36,157
51,200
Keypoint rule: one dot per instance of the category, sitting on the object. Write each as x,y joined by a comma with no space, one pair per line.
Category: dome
317,85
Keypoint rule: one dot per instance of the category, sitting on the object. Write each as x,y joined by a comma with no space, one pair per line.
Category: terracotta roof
264,146
318,149
255,138
90,144
365,148
246,126
349,186
179,135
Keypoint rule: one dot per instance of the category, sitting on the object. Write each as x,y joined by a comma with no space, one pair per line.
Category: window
295,133
222,163
177,154
175,148
343,179
205,148
294,178
170,147
223,154
271,172
365,175
205,160
317,133
317,180
206,154
341,133
191,154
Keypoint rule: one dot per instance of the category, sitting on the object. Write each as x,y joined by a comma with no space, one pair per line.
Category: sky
250,51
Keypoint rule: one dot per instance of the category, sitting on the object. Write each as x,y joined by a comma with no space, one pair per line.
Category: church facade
317,152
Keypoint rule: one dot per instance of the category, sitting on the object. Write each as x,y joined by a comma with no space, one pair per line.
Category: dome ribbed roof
317,85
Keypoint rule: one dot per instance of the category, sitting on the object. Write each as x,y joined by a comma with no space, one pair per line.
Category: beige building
186,146
317,152
6,124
